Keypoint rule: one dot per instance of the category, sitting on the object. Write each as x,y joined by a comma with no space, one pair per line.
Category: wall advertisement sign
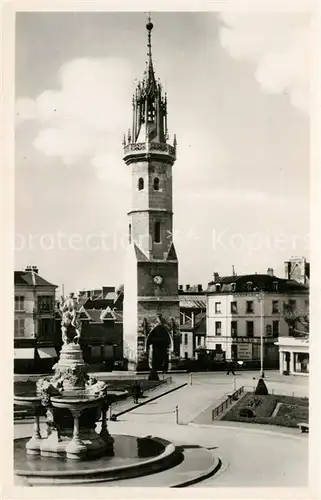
244,351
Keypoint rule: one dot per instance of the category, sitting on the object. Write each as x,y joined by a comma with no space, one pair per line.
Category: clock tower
151,303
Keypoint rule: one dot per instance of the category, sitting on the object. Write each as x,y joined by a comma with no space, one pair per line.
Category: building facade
240,308
294,348
34,319
151,314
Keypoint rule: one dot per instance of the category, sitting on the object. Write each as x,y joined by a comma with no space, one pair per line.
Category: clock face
158,280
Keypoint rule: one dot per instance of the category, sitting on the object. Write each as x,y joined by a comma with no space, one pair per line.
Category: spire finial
149,27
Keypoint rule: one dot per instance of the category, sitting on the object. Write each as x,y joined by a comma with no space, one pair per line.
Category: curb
115,415
209,473
246,428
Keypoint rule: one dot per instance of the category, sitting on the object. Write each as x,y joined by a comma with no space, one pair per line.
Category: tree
298,321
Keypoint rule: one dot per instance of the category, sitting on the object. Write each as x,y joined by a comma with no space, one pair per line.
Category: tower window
156,184
157,232
130,233
140,184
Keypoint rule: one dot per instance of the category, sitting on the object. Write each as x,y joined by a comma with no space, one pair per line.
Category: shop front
294,355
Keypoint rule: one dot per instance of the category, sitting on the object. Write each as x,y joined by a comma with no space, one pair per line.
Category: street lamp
260,298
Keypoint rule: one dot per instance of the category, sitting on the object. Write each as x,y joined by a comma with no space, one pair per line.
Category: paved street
208,389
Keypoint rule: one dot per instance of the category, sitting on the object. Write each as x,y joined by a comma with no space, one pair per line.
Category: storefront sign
244,351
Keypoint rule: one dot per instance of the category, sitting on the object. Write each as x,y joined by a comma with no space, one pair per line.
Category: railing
151,146
227,403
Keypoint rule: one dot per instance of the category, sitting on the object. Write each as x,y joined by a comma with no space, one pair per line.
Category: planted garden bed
270,409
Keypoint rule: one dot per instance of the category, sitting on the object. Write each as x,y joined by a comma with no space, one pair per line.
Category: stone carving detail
152,146
70,324
145,329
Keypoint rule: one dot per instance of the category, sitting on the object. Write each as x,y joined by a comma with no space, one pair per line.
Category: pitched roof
263,282
95,315
172,253
199,324
30,278
192,301
140,256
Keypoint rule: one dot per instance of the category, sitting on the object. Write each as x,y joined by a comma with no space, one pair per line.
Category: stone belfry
151,303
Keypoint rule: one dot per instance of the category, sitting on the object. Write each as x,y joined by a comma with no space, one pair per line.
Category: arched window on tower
157,232
156,184
140,184
130,233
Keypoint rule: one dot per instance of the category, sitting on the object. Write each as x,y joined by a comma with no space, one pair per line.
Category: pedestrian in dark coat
230,368
136,391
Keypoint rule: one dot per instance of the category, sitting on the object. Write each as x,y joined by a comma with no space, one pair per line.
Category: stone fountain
70,450
73,401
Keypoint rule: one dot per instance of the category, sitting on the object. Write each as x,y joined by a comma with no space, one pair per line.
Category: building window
19,303
275,307
45,303
275,328
46,328
218,307
275,286
157,232
249,306
217,287
185,338
19,327
234,328
218,347
234,307
292,305
186,355
218,328
249,286
140,184
130,233
233,287
250,329
156,184
199,340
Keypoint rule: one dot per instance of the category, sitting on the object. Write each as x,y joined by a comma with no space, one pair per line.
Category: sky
238,101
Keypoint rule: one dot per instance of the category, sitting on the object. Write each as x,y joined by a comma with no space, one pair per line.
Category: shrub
261,389
247,413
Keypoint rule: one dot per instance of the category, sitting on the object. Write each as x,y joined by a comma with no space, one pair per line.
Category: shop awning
47,352
24,353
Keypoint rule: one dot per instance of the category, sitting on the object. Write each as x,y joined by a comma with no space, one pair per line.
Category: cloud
279,44
86,115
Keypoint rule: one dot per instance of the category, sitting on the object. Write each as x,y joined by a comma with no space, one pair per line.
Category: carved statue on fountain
70,320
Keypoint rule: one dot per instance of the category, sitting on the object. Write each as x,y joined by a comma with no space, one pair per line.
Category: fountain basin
132,457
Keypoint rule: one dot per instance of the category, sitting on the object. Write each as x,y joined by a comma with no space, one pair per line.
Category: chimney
32,268
193,320
270,271
199,288
187,287
216,276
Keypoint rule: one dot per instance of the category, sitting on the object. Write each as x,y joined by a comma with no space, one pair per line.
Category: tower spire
150,68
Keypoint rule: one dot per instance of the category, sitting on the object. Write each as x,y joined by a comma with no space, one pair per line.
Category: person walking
230,368
136,391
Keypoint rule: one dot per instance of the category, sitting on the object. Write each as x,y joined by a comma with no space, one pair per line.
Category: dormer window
156,184
275,286
249,286
217,287
233,287
140,184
